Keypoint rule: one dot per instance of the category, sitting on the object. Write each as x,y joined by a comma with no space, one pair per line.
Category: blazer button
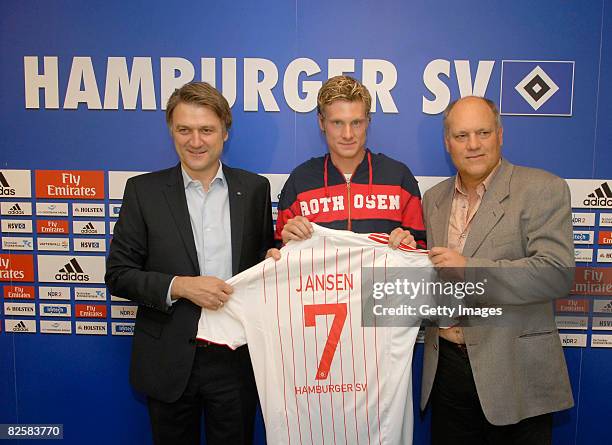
435,346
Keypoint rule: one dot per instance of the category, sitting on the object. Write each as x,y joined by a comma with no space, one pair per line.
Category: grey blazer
521,237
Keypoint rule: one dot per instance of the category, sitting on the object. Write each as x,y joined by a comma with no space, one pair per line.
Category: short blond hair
343,88
202,94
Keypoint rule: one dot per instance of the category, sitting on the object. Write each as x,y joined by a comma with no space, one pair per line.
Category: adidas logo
72,271
601,197
89,229
20,327
16,210
5,190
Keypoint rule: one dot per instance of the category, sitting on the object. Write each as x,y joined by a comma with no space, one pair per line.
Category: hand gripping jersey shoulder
321,376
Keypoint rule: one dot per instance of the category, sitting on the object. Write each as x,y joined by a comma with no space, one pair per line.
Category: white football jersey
322,377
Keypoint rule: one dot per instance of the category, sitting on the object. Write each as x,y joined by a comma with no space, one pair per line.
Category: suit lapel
440,217
237,196
175,197
490,211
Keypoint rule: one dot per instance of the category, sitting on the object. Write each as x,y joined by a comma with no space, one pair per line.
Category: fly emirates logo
70,184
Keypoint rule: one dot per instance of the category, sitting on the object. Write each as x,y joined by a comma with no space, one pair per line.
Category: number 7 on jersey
338,310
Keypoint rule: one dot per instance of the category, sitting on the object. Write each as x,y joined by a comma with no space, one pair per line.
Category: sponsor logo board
90,310
572,305
16,267
583,219
51,209
123,328
88,227
55,310
15,184
14,208
583,255
52,226
71,269
591,193
583,237
592,281
90,293
89,245
69,184
92,327
605,237
581,323
602,306
23,309
116,182
573,340
20,326
55,327
602,323
21,292
118,311
57,244
116,298
605,220
604,255
601,341
17,243
88,210
53,293
111,227
16,225
113,210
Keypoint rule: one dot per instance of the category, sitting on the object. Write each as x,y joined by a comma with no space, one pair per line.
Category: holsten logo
600,197
88,210
20,309
91,327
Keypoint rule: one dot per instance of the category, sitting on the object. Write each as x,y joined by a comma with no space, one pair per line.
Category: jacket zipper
348,193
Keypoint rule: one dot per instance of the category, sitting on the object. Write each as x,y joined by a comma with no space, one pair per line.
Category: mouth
474,157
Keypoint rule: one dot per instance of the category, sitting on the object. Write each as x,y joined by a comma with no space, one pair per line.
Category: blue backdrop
67,107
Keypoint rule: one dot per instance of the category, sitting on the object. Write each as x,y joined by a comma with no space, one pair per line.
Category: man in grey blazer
497,382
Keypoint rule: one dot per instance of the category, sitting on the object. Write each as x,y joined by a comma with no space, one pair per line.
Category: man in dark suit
510,227
181,233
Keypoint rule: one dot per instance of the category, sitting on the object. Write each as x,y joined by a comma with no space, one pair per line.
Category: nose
195,139
473,141
347,131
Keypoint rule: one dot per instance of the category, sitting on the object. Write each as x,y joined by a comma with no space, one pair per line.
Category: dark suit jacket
521,241
153,242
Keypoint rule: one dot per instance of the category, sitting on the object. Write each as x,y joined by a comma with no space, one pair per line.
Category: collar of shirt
482,187
219,178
